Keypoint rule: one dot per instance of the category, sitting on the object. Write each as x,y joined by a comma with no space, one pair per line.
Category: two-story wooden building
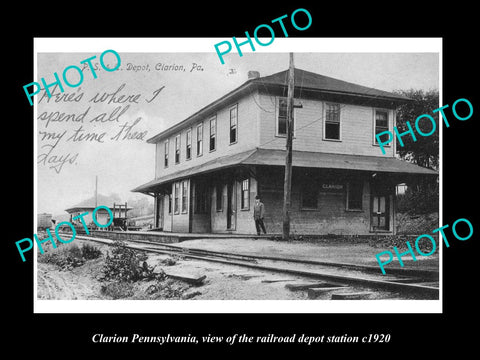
210,166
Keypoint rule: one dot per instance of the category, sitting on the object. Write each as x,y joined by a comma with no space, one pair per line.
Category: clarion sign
332,187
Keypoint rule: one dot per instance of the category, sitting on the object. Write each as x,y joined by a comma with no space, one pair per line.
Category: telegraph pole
287,185
96,191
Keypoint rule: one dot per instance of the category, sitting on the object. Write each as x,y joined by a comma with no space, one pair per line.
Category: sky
164,98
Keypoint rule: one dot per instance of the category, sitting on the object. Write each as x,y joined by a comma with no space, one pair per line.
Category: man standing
258,213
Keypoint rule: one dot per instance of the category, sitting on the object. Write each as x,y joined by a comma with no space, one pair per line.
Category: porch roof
337,161
216,164
271,157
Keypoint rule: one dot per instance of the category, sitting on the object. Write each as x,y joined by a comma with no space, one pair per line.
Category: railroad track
418,283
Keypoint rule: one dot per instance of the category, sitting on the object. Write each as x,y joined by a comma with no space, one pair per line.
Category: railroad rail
320,270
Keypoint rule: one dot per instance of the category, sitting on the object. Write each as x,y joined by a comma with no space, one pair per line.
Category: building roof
313,81
89,204
306,81
270,157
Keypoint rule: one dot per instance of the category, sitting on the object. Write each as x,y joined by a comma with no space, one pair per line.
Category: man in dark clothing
258,213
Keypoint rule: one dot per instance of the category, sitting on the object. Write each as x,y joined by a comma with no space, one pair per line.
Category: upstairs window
188,153
332,122
282,114
177,149
213,133
166,154
200,139
233,124
282,117
381,123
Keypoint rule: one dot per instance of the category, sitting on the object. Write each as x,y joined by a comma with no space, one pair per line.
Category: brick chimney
253,75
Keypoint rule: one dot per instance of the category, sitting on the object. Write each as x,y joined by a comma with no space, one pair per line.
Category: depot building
210,166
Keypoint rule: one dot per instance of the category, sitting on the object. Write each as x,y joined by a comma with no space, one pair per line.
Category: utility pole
96,191
287,185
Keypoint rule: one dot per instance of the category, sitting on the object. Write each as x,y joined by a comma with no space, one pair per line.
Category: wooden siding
247,138
356,126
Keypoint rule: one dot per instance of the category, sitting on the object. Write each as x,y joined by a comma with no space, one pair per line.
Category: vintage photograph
167,176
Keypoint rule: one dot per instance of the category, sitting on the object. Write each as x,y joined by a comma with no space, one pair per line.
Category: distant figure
258,213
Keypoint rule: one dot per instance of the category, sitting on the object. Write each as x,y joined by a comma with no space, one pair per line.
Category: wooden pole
287,185
96,191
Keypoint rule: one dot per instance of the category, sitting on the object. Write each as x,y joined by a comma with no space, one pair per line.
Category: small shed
102,216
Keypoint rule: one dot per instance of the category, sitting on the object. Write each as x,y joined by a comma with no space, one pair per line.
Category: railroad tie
352,296
306,286
315,292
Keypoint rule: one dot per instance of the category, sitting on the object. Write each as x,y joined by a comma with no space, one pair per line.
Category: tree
422,193
424,151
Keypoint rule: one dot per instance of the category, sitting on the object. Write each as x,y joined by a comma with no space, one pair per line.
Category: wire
322,117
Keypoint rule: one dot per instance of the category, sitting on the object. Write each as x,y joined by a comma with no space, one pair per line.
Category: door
380,219
231,206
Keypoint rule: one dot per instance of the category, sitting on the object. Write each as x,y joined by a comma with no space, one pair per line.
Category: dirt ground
358,253
76,284
223,282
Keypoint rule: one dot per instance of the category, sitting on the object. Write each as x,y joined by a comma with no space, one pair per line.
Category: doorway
380,219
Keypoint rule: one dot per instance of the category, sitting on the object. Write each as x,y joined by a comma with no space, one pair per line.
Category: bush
117,290
165,289
419,199
69,256
90,252
126,264
66,257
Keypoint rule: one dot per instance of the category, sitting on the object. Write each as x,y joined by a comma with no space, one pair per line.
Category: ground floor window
245,194
354,195
184,196
176,194
219,197
309,196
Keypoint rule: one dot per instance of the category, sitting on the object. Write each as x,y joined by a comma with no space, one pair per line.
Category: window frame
177,149
166,153
219,199
170,205
188,144
277,114
245,205
184,203
214,135
324,137
375,111
200,140
347,197
235,126
311,186
176,205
